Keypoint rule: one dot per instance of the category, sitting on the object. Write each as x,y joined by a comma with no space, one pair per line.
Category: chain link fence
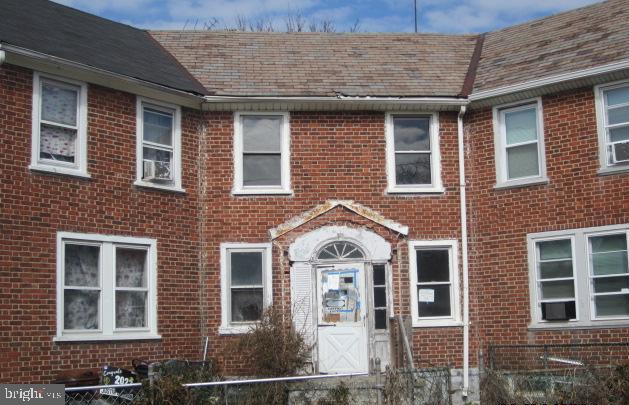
557,373
419,386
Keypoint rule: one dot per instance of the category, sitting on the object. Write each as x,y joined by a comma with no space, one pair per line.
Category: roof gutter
68,63
453,101
549,80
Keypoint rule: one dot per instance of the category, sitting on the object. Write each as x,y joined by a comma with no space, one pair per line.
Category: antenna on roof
415,16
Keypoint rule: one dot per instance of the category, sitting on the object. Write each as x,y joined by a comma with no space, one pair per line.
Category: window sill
105,338
60,170
234,330
415,190
521,183
258,191
436,323
606,171
145,184
574,325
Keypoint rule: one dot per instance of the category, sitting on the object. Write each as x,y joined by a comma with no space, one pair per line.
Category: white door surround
342,319
310,263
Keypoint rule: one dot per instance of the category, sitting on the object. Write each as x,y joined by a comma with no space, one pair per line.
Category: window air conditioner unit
620,152
556,311
154,170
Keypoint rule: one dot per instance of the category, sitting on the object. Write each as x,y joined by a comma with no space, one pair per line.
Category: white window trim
455,304
601,121
500,142
535,281
285,187
436,185
226,327
581,270
108,244
177,165
79,168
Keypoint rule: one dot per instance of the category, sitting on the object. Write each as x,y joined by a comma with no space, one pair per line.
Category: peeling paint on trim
321,209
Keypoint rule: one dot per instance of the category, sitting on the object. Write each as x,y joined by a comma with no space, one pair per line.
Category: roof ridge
470,76
278,33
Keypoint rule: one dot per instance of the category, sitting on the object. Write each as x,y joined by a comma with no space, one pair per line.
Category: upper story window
519,143
434,279
580,277
413,159
106,287
245,284
59,133
158,145
261,153
613,126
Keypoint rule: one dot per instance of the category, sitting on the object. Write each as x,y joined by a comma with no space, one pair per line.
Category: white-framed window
579,277
246,281
434,277
413,156
106,287
59,130
261,153
612,110
519,144
158,145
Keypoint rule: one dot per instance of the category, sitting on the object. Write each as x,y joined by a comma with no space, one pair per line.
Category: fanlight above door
340,251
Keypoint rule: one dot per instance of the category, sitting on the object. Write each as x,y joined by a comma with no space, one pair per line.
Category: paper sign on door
426,295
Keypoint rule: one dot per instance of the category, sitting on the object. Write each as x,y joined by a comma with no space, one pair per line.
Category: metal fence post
378,371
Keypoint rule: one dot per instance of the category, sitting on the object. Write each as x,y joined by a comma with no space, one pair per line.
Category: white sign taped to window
426,295
333,281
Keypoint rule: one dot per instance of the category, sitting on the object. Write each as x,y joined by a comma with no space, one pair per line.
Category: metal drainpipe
3,55
466,296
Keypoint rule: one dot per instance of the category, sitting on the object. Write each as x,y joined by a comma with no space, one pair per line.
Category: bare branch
355,27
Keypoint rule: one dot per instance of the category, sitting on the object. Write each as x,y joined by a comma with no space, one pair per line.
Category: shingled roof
63,32
579,39
323,64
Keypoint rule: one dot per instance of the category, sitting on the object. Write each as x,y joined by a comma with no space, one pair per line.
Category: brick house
161,187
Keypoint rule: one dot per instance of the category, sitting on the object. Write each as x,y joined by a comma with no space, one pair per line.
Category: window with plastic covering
106,287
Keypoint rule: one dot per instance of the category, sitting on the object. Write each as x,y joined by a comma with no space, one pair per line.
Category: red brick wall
34,206
576,197
334,155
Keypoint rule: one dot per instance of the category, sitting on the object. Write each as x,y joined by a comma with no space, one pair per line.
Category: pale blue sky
443,16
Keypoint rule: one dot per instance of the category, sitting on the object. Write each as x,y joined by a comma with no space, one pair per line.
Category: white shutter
301,299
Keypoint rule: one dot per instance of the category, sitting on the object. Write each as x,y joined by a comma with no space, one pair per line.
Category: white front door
342,318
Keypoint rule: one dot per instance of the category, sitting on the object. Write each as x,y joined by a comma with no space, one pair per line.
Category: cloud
445,16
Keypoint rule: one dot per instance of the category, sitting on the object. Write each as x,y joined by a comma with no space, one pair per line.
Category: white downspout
466,295
3,55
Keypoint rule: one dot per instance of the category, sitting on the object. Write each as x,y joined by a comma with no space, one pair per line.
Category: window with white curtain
59,130
106,287
519,142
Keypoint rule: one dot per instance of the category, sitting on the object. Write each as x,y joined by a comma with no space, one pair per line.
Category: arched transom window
340,251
